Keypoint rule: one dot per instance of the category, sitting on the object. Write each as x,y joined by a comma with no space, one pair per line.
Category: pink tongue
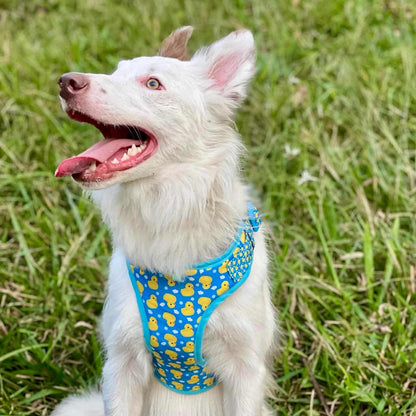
99,152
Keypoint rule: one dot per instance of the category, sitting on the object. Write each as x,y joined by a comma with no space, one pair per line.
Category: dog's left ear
230,64
174,46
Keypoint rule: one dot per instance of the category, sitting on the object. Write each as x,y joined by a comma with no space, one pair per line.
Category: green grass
337,80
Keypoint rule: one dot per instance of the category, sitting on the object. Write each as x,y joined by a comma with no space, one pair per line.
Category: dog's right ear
174,46
229,64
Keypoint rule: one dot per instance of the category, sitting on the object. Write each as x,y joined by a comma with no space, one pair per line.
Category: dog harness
174,314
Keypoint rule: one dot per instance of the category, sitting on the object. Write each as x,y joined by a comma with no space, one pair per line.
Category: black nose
72,84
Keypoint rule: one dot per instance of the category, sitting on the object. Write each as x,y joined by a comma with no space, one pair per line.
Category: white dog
167,181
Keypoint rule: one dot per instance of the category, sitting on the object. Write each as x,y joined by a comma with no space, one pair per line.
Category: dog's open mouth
123,148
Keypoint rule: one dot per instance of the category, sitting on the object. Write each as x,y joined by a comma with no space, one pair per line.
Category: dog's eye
153,84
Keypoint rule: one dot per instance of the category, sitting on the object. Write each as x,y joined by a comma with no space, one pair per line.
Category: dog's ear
174,46
230,64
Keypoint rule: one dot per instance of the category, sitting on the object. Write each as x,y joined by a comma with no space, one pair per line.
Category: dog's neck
185,215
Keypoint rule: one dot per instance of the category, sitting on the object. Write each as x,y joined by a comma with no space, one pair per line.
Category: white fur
180,207
90,404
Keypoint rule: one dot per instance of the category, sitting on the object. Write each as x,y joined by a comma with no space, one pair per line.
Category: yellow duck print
189,361
140,286
223,268
177,374
224,287
169,318
205,281
198,320
189,346
193,367
153,323
243,237
177,385
195,388
153,283
153,341
170,300
191,272
172,354
161,371
209,381
235,252
187,331
188,290
158,357
171,339
194,379
175,365
170,280
188,309
152,302
204,302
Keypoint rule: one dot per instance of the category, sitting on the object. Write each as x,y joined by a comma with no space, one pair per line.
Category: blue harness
174,314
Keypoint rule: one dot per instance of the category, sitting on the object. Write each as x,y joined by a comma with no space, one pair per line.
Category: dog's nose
73,83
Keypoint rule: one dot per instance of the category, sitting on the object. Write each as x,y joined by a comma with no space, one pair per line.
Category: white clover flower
306,177
290,152
293,80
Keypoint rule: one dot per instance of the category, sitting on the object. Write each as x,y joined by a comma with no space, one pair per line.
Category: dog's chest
174,314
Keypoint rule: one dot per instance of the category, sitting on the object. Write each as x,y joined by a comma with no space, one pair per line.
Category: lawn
330,127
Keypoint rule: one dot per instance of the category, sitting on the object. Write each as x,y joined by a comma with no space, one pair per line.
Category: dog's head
155,112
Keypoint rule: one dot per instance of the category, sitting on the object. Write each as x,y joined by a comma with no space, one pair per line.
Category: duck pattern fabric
174,314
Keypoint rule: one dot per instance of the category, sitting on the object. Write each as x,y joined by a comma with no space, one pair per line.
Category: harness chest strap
174,314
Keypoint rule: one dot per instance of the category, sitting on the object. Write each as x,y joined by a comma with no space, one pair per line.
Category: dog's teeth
125,157
92,167
115,161
132,151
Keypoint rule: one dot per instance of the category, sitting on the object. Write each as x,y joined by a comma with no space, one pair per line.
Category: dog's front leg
125,377
244,388
238,346
239,361
128,365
